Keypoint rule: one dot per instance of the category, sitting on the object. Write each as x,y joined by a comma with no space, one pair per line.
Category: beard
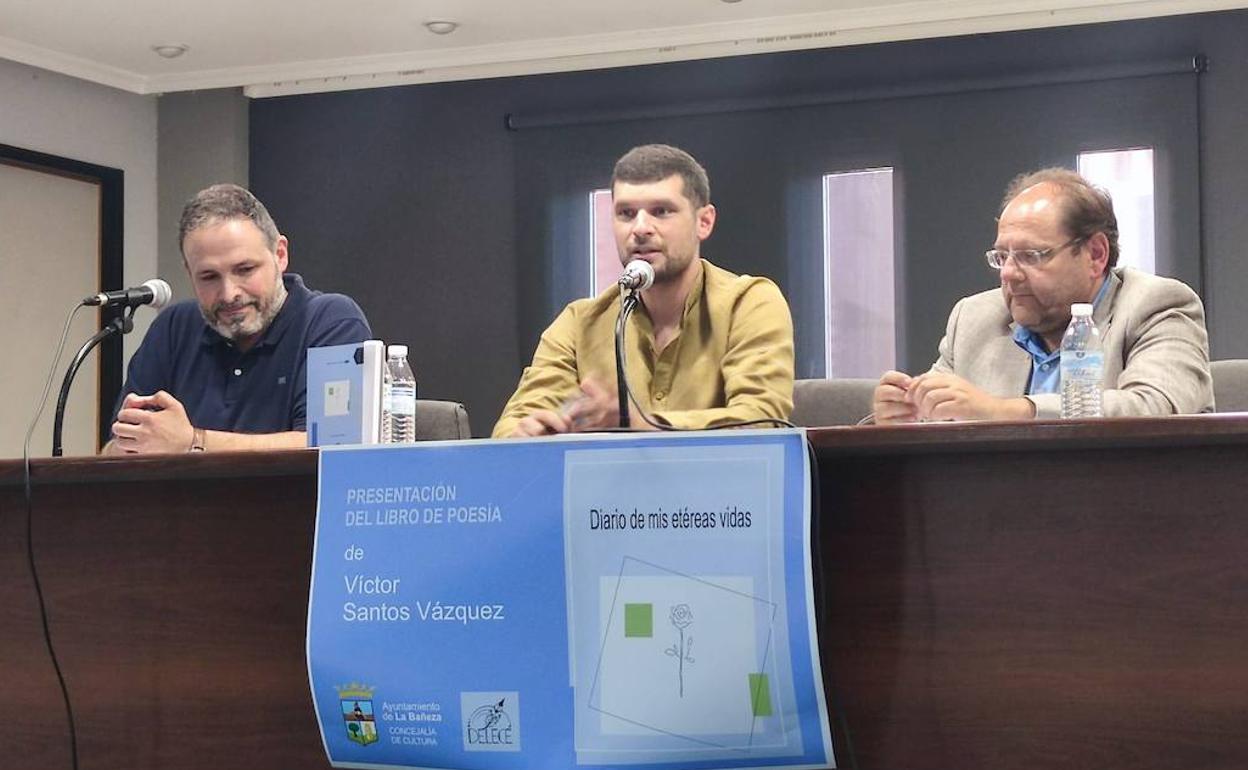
250,324
671,267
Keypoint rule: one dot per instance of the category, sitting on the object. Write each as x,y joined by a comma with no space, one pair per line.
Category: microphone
638,275
154,292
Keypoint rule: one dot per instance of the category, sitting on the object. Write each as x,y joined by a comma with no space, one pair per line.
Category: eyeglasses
1026,257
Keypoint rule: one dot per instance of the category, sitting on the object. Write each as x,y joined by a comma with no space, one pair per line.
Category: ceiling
273,47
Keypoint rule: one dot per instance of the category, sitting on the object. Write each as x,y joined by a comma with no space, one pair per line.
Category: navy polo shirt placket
236,368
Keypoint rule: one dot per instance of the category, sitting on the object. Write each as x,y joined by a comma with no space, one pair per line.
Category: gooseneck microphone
638,276
155,292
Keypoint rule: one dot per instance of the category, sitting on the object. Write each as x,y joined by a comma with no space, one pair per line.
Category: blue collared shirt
1046,371
263,390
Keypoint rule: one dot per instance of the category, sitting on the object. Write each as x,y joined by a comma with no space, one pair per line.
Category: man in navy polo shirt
227,371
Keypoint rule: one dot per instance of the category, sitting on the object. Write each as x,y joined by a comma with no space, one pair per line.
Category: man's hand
543,422
943,396
596,407
152,424
890,403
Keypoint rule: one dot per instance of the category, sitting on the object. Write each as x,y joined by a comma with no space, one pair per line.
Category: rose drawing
681,617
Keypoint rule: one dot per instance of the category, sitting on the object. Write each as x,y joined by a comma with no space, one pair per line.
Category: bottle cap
397,351
1077,309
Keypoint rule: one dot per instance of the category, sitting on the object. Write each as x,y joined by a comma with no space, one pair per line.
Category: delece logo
492,722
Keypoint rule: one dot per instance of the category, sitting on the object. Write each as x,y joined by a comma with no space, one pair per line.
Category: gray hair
656,162
1087,209
223,202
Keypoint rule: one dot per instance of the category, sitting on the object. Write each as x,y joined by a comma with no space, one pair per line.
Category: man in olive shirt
705,347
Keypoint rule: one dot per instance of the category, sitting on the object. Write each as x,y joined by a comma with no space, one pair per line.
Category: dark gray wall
203,140
464,239
403,199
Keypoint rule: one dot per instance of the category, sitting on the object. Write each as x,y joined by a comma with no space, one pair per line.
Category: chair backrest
831,402
1230,384
441,420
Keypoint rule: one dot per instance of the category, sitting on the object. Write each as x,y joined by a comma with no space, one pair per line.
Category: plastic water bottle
1083,365
401,400
386,381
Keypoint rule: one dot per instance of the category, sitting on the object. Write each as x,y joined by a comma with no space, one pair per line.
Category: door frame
112,256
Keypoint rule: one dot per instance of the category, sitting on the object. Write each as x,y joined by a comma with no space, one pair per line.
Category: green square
639,620
760,695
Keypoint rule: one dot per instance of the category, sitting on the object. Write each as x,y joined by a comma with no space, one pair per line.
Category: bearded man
706,347
228,370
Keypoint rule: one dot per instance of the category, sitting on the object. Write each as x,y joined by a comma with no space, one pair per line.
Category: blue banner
568,602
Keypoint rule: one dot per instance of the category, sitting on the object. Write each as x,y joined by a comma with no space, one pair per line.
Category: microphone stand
627,306
121,324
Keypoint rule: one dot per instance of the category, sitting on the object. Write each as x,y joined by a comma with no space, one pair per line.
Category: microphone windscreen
638,274
161,292
647,274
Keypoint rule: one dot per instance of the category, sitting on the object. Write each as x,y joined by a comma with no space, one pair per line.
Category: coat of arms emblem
357,713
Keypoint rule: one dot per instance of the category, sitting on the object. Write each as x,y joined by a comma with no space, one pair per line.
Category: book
344,393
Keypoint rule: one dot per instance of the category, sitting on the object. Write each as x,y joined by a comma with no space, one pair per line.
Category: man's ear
1098,253
706,221
280,251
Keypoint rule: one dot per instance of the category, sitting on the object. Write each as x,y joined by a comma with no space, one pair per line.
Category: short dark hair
222,202
656,162
1087,208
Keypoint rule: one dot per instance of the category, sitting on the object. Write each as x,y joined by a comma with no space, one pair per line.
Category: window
858,273
1128,176
604,268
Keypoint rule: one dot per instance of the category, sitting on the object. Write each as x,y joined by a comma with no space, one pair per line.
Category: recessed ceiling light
170,51
441,26
730,1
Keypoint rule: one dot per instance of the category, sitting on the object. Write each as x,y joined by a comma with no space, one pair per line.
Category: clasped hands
936,396
152,424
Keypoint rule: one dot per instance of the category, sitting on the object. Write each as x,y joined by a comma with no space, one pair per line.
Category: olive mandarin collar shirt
732,359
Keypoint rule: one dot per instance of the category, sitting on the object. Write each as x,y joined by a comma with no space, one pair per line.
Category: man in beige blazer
1057,244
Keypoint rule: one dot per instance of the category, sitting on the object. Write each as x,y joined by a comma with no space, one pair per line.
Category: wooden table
1019,595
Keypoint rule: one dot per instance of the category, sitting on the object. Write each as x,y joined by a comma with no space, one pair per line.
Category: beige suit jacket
1153,330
